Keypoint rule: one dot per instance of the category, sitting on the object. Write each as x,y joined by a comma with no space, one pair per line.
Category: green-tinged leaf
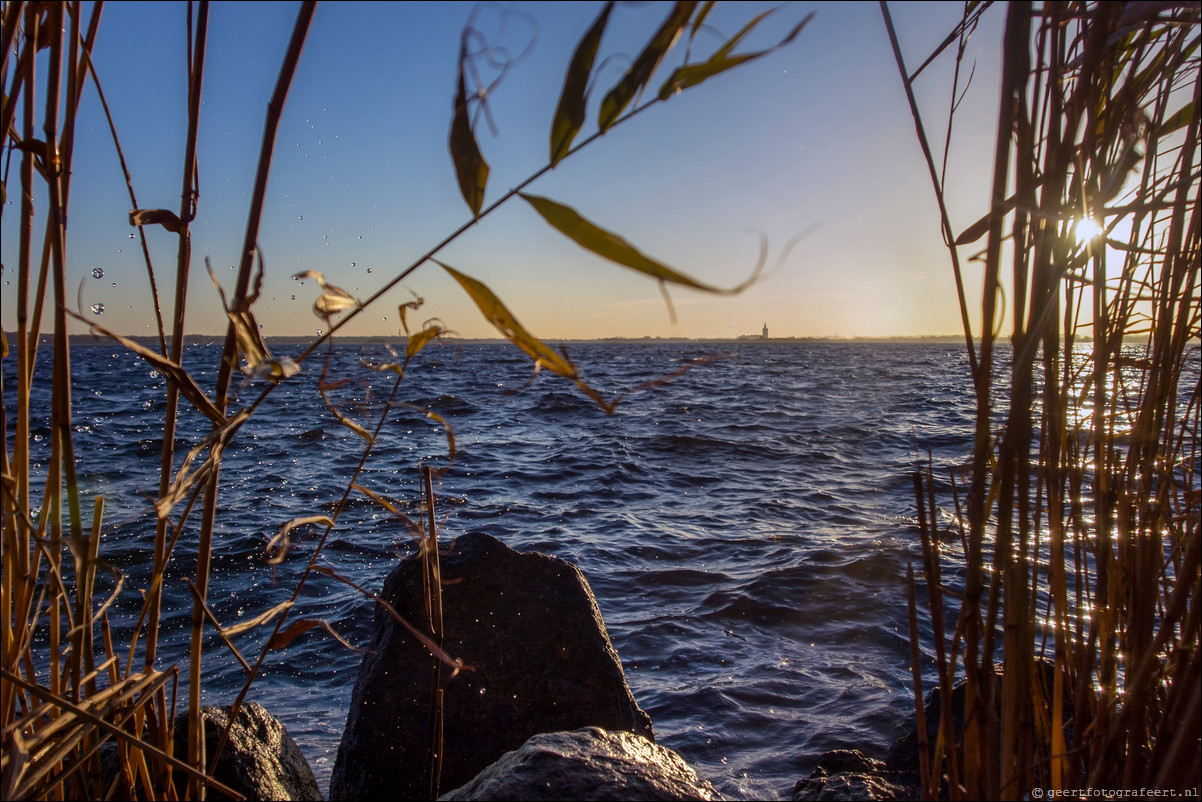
418,341
470,167
259,620
277,548
497,314
613,247
151,217
298,628
721,61
569,115
643,68
1178,120
175,374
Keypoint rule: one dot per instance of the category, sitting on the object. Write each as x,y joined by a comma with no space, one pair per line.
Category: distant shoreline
216,339
211,339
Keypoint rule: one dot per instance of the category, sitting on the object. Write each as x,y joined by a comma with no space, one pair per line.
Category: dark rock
260,760
530,628
587,764
846,774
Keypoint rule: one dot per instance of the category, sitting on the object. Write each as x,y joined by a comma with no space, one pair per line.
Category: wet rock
587,764
530,628
846,774
261,761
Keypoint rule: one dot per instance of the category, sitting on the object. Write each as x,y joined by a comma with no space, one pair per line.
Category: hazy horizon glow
814,138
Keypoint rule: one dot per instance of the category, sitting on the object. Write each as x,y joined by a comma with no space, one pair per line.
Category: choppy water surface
746,527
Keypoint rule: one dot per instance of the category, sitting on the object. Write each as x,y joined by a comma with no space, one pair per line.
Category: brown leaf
152,217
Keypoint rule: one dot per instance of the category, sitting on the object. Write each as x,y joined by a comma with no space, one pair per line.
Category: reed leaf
470,167
333,299
284,637
155,217
571,111
277,548
640,72
173,372
693,74
613,247
454,663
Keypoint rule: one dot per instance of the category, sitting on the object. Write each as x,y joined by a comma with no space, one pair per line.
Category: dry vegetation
1075,633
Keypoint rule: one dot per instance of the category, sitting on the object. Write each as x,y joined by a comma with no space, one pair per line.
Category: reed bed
73,681
1077,532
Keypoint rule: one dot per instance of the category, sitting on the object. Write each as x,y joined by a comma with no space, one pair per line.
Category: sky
815,140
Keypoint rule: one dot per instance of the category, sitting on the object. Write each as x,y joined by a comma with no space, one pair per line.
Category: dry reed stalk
1083,513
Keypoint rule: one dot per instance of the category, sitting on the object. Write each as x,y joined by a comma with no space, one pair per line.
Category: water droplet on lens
97,309
319,332
114,284
369,270
97,272
260,325
294,297
352,264
132,235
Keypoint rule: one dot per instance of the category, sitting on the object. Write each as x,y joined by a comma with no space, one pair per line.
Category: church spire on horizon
765,330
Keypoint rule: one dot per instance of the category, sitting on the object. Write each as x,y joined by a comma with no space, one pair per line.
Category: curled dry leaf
277,548
257,362
284,637
259,620
152,217
333,299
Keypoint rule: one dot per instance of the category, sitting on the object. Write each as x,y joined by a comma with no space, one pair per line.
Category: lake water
745,526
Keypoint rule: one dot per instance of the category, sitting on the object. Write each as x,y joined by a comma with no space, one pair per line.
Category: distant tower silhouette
765,331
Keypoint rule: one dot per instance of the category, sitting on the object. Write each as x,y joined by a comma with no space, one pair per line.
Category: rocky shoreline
540,708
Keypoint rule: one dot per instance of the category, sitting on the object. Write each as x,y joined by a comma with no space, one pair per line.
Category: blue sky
816,137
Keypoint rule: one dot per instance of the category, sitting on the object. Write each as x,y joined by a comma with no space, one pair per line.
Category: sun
1087,229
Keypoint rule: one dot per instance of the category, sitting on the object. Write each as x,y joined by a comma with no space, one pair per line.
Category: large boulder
587,764
540,659
261,761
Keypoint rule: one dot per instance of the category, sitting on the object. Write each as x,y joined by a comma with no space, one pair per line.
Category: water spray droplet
97,272
97,309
